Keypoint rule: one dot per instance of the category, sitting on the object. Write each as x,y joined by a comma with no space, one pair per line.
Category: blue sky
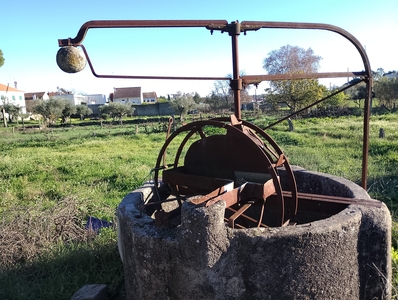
29,33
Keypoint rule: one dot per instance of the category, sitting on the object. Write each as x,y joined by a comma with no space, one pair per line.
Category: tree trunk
4,117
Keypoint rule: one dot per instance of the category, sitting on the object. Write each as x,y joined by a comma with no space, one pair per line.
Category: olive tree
386,90
12,110
117,110
68,110
83,110
50,109
183,104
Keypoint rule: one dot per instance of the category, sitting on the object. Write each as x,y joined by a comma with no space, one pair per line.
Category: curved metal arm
135,24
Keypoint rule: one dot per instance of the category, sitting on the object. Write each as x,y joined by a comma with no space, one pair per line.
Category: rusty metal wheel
241,147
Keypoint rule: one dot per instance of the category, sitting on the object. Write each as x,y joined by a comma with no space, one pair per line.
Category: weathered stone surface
346,256
91,292
71,59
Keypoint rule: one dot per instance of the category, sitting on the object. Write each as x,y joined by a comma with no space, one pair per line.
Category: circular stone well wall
345,256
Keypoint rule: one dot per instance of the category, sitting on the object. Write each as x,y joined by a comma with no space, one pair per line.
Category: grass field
52,180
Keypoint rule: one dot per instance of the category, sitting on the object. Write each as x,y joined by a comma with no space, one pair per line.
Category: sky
29,33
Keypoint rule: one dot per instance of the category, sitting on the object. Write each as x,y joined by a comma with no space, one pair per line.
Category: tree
386,90
83,110
162,99
296,94
293,60
50,109
68,110
117,110
183,103
215,101
222,96
337,100
356,92
196,98
12,110
377,75
1,58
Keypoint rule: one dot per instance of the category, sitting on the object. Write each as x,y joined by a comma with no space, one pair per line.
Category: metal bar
256,79
311,105
245,217
255,25
237,214
366,130
136,24
236,81
144,77
314,199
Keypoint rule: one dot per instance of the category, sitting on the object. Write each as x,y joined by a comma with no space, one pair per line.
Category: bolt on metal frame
234,29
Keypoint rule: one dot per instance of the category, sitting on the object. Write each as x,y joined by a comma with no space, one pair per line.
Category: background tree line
53,109
291,94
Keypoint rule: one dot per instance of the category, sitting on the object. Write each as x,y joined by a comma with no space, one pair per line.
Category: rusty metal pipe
136,24
144,77
256,79
311,105
236,83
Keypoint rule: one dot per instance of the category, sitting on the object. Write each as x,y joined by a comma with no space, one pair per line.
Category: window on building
20,97
13,97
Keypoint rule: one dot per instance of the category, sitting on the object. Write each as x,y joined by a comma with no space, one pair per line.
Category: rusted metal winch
239,165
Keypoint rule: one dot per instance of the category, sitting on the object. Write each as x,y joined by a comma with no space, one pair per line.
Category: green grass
70,173
39,171
334,145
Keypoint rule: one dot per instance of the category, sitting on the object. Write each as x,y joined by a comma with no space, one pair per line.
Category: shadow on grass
61,272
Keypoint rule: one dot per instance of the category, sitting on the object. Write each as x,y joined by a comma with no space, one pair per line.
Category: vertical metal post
366,126
236,83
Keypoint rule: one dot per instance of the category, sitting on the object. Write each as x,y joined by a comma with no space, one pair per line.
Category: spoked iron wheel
238,149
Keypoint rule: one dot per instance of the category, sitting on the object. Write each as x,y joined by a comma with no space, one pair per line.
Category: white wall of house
95,99
75,99
44,97
149,100
13,97
132,100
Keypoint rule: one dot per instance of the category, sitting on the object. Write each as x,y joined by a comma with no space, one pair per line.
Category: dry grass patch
26,233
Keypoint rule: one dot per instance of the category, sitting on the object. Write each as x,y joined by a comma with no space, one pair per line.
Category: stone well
342,256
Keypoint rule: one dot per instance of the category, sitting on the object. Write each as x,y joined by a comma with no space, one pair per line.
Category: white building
95,99
36,96
127,95
150,97
75,99
10,95
78,99
391,74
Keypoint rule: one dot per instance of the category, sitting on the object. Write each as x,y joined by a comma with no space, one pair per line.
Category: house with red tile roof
127,95
150,97
133,95
36,95
10,95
